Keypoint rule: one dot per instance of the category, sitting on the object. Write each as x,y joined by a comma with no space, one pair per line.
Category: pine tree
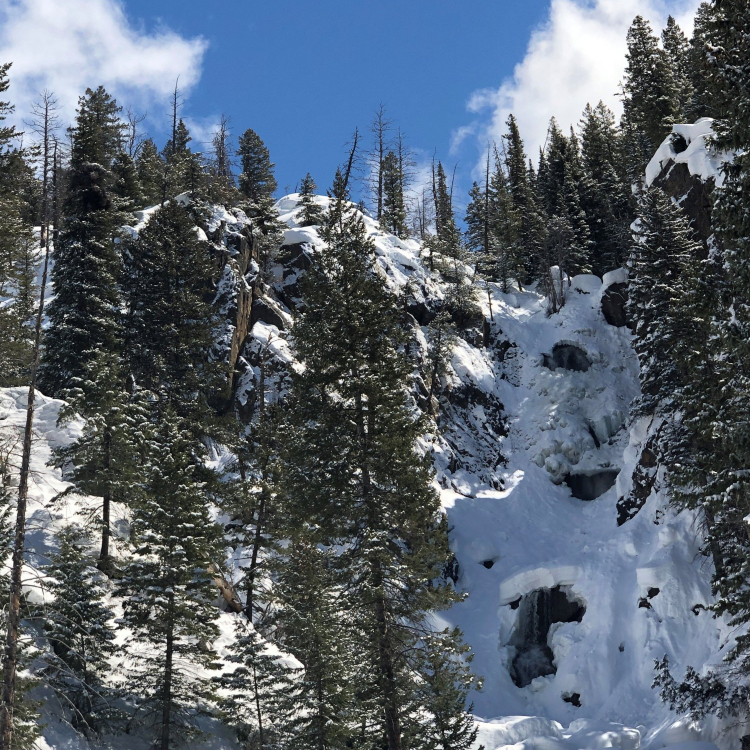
350,470
84,315
393,218
16,255
258,184
77,624
677,50
103,461
257,181
26,719
168,589
661,252
441,338
169,317
151,173
529,231
311,213
259,693
184,171
708,99
315,628
650,97
447,681
608,204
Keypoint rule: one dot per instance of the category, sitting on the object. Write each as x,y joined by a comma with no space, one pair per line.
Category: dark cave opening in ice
538,611
591,485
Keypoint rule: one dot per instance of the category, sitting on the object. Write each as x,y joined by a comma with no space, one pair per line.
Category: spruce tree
650,97
444,667
529,230
17,262
151,173
393,218
608,205
170,321
351,470
84,314
662,250
258,184
168,588
103,461
257,181
77,624
314,626
677,50
311,213
259,691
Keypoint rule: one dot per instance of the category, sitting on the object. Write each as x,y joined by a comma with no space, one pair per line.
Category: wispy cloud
68,45
577,56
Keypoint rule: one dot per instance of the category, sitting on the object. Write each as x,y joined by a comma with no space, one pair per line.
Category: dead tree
10,656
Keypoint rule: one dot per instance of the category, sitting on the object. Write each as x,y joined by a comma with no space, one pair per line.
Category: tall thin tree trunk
104,563
166,708
10,657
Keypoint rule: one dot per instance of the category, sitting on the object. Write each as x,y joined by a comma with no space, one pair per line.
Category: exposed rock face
692,193
591,485
292,262
614,302
537,612
567,357
644,478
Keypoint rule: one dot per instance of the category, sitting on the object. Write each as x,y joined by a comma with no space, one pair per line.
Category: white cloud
68,45
577,56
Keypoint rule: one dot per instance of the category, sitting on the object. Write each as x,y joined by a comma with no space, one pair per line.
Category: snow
516,514
701,158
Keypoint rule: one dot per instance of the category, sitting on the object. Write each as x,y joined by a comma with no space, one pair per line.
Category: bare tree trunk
10,656
166,708
105,564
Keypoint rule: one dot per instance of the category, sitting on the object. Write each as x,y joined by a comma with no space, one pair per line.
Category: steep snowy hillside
578,574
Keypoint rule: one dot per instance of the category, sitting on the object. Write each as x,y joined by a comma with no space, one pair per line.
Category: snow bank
699,156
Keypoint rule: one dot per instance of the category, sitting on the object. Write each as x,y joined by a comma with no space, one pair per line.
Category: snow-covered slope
566,609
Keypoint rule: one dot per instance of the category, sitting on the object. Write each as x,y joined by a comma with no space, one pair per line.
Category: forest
247,539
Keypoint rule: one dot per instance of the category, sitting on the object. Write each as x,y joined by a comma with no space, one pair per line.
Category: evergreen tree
260,692
77,625
608,204
447,681
169,316
312,213
315,628
650,97
677,50
708,99
17,261
103,461
257,181
184,172
168,589
84,314
351,471
393,218
441,338
529,231
258,184
151,173
661,252
126,185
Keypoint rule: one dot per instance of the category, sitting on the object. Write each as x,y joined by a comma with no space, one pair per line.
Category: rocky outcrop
692,193
567,357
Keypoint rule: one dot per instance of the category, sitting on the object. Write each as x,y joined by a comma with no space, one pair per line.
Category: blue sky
304,73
